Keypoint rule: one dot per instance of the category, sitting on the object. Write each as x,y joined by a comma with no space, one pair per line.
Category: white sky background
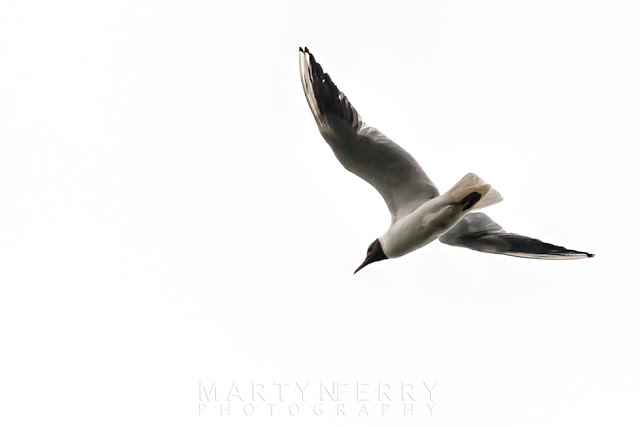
169,213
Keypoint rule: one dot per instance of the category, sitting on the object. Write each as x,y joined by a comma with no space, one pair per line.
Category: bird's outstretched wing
479,232
363,150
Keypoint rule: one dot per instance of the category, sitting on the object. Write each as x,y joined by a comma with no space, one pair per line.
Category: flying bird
419,213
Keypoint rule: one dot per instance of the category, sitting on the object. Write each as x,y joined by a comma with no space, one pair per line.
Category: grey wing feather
361,149
479,232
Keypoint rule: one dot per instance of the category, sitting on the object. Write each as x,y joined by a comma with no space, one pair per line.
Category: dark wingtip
590,255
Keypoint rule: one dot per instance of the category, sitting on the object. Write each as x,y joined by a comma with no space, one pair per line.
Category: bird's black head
374,253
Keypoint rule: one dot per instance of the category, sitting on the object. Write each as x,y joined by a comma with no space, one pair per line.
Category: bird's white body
434,217
421,227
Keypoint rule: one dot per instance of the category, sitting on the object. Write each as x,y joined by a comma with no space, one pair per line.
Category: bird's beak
375,253
360,268
368,260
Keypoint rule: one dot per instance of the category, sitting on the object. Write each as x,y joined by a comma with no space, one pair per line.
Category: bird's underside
369,154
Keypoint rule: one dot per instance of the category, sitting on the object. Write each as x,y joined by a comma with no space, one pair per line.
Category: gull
419,213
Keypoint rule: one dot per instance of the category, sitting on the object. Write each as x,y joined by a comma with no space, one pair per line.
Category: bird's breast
419,228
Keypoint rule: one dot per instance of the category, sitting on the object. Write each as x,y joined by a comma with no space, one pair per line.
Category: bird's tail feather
473,193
